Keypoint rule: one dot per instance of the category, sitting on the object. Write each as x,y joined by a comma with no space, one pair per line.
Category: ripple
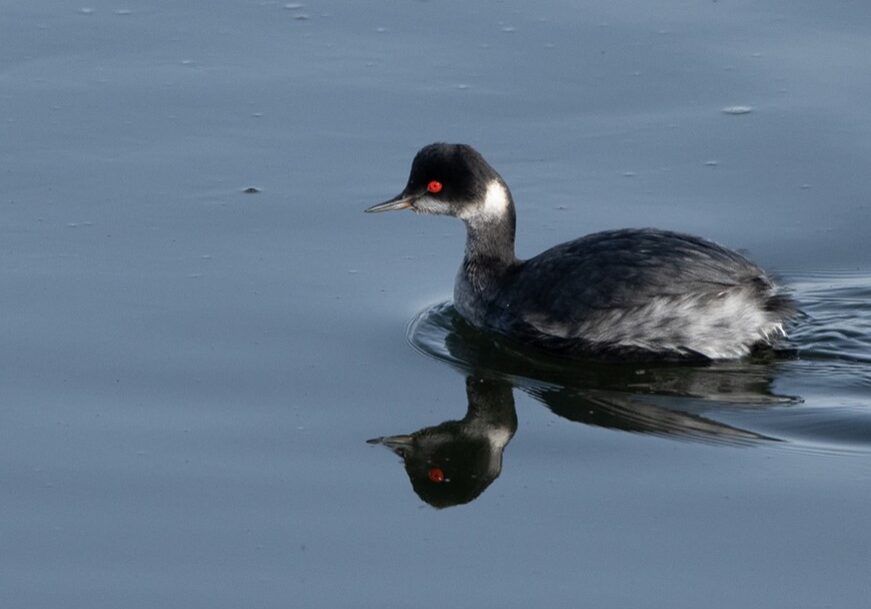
838,323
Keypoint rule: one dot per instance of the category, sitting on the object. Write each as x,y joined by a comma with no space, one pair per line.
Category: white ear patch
496,200
493,207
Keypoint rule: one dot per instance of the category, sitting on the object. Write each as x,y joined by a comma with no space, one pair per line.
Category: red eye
435,474
434,187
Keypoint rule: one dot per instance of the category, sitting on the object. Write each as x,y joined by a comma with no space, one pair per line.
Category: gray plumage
639,292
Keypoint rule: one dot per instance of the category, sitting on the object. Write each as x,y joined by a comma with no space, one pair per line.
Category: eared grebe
620,294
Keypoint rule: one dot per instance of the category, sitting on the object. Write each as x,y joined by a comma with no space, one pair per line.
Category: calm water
189,373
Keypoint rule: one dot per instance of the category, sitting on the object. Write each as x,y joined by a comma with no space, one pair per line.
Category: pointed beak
401,445
400,201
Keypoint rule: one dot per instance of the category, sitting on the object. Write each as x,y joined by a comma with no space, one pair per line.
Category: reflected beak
401,445
400,201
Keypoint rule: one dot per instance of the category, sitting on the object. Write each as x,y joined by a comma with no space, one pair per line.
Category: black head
450,179
446,465
454,462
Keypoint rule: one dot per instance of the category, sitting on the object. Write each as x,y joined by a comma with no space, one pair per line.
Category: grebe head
453,180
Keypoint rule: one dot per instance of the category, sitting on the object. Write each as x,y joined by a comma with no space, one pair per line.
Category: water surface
190,373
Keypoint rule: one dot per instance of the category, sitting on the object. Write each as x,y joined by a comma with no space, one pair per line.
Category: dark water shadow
453,462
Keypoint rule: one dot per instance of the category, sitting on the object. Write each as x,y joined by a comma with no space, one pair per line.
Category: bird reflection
454,462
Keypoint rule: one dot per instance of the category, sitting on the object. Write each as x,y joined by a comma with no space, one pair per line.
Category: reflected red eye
434,187
435,474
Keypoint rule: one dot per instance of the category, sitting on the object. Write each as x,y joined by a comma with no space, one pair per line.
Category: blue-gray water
189,373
